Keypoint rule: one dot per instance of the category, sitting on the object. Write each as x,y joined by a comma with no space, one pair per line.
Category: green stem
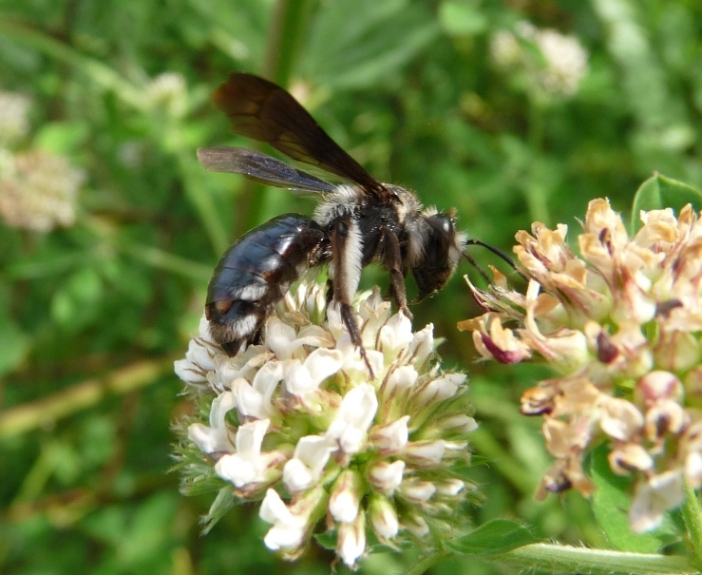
564,558
428,562
693,520
204,204
536,195
166,261
81,396
544,556
285,38
500,459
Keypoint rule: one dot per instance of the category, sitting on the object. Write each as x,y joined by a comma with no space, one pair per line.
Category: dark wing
264,111
261,168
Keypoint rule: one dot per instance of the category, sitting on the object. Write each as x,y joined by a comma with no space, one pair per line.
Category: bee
356,223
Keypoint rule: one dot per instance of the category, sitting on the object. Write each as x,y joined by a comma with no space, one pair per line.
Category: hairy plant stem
568,559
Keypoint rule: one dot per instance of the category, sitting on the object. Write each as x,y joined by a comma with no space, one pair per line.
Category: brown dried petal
656,386
538,400
620,419
629,457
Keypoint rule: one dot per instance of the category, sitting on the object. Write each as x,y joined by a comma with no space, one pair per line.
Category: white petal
284,537
396,334
297,476
288,531
442,388
279,337
386,477
352,440
314,336
416,525
249,437
273,509
344,507
266,379
221,405
391,437
450,487
322,363
314,451
353,360
298,380
346,497
352,420
352,540
423,344
383,518
237,469
250,402
459,423
693,469
418,491
208,439
425,453
401,379
653,498
311,455
620,418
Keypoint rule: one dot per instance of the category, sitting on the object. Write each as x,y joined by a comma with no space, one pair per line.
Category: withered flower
620,324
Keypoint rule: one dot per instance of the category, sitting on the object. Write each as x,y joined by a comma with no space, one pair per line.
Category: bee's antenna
497,251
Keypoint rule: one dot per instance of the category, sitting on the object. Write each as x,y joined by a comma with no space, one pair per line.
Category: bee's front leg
345,268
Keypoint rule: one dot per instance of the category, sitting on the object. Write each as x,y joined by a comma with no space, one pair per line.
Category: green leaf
13,345
659,192
224,501
62,137
610,503
76,303
461,19
327,540
494,538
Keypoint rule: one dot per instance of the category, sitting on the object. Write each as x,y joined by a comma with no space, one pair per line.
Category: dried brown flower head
621,325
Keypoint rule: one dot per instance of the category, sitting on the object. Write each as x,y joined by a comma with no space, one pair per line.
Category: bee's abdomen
254,274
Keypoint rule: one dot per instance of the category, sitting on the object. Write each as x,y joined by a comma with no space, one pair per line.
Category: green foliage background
92,317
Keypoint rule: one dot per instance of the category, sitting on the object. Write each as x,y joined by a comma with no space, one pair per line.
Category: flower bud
346,497
352,540
392,437
385,477
383,517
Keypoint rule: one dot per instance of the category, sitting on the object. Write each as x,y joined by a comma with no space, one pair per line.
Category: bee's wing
264,111
261,168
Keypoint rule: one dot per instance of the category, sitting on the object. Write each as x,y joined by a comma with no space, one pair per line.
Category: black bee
356,224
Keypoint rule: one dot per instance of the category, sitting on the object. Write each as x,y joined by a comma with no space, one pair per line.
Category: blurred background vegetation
510,111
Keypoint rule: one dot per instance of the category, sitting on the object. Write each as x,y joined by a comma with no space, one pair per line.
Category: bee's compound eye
223,306
445,222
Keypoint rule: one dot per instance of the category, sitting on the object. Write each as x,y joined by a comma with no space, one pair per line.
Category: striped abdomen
256,272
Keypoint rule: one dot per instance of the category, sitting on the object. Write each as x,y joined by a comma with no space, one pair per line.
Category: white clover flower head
39,191
563,63
14,122
168,91
297,421
621,326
